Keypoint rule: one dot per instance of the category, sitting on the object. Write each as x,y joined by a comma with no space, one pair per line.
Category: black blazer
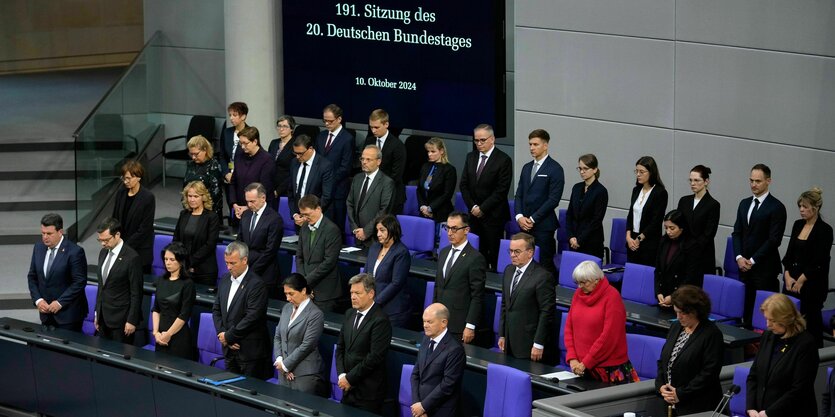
64,282
652,219
462,291
527,315
361,355
202,246
784,385
437,375
584,218
341,157
812,260
441,190
320,182
245,321
393,165
138,225
263,243
695,373
281,176
119,300
682,269
827,405
488,192
702,223
760,238
319,262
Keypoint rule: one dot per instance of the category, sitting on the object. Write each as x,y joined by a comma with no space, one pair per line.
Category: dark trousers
74,326
490,232
547,247
115,333
259,368
756,280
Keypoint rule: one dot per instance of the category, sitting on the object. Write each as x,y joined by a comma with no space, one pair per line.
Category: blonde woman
436,185
197,229
205,168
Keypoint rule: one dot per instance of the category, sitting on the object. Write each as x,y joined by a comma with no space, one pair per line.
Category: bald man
436,378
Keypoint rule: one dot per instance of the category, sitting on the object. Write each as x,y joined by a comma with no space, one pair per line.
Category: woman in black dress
173,303
676,264
586,209
197,229
134,209
807,261
437,183
282,154
701,212
205,168
646,211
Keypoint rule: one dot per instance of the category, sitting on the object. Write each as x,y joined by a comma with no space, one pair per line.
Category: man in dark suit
119,299
317,256
361,348
240,316
261,228
526,326
537,195
459,280
485,182
371,195
310,173
758,232
394,155
57,276
337,145
436,377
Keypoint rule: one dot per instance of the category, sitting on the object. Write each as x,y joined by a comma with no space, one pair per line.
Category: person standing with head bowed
134,209
198,228
173,304
586,209
646,212
701,213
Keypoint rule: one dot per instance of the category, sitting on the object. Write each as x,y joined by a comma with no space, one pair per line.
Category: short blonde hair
203,144
201,190
783,312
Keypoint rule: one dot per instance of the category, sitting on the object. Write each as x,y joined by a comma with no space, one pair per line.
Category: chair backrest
220,250
201,125
160,242
89,326
208,347
286,217
405,394
729,263
617,241
497,316
459,203
336,392
562,232
411,207
418,233
563,349
429,295
639,284
568,262
757,318
508,392
737,404
444,240
504,255
511,227
644,352
347,233
727,296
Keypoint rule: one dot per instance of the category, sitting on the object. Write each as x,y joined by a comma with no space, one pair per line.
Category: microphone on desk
726,398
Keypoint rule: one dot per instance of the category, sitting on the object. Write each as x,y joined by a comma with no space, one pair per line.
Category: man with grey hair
240,316
362,347
436,377
371,195
261,228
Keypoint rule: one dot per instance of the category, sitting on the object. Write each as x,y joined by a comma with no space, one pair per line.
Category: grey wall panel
641,18
187,23
768,96
617,147
595,76
187,85
805,26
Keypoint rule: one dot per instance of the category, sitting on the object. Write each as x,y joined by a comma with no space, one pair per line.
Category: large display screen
435,66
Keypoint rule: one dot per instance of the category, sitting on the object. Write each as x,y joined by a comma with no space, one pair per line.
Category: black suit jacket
64,283
437,375
584,217
263,243
341,157
462,291
320,181
760,238
227,143
441,190
138,225
489,191
245,321
812,261
528,312
281,176
201,246
702,223
361,355
784,385
695,373
539,198
119,300
393,165
652,218
318,262
682,268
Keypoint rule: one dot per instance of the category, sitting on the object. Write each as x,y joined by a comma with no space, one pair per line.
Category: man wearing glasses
337,145
485,183
317,255
459,280
309,174
119,299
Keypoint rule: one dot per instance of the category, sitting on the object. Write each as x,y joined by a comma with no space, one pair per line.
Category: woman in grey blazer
296,343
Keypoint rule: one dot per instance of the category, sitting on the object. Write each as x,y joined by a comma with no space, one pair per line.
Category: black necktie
449,263
301,180
431,346
516,279
357,321
363,192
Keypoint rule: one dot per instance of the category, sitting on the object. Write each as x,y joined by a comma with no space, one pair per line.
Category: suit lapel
431,355
371,188
462,258
302,317
238,294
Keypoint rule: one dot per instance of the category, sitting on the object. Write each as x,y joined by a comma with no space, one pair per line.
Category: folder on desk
222,378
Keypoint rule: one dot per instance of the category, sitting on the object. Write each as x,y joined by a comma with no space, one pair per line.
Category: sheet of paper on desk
349,249
290,239
561,375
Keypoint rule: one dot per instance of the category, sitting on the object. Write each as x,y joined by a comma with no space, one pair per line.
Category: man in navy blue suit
57,277
310,173
758,232
337,145
537,195
437,375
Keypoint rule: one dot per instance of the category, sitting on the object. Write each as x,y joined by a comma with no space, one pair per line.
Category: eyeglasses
105,240
283,126
480,140
641,172
582,169
516,252
127,179
194,154
300,153
454,228
328,121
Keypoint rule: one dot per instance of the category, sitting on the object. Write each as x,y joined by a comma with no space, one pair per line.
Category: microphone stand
726,398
